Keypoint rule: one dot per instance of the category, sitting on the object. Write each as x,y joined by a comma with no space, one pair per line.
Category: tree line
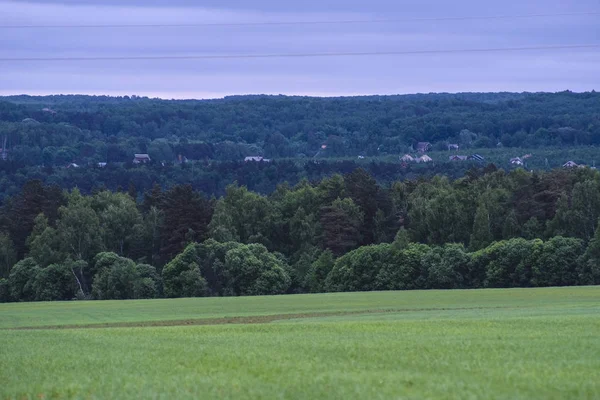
57,130
490,228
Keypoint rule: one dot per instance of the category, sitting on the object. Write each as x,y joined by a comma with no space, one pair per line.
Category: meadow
488,344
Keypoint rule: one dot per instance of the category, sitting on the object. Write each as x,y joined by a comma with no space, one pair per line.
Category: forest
89,142
489,228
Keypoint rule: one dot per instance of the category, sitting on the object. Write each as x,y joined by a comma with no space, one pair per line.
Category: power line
297,55
281,23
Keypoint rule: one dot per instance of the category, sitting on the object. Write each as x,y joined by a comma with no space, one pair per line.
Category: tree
242,216
44,243
251,270
589,264
35,198
447,267
4,291
182,277
120,278
186,218
148,282
511,226
359,269
482,235
341,225
507,263
402,239
405,270
319,270
119,219
145,237
556,263
439,213
55,282
532,229
560,224
585,209
364,192
222,227
8,255
21,280
79,228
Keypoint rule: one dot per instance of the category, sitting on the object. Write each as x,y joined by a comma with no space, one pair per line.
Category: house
361,157
101,164
424,159
423,147
407,158
570,164
516,161
72,165
141,159
256,159
457,158
476,157
453,146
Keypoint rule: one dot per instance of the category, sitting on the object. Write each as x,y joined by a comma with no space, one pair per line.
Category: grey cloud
530,71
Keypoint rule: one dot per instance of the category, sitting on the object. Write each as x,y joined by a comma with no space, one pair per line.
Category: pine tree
481,235
511,226
132,191
402,239
559,225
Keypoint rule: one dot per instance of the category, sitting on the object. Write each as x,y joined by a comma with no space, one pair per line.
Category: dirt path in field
255,319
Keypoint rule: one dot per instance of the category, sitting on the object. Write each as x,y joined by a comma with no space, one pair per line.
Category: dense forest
58,130
89,142
489,228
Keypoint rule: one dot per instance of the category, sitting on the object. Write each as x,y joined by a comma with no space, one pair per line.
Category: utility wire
282,23
297,55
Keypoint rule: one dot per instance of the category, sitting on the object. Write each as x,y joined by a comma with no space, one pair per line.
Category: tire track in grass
253,319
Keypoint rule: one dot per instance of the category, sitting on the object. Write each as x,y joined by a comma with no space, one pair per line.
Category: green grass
488,344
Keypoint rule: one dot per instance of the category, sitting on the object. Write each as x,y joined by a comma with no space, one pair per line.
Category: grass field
477,344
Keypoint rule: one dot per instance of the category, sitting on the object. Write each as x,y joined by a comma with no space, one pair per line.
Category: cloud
531,71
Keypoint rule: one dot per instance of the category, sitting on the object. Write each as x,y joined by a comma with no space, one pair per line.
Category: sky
533,70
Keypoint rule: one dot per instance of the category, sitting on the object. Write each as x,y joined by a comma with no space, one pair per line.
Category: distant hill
283,126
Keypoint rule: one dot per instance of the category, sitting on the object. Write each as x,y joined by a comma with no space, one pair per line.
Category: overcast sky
539,70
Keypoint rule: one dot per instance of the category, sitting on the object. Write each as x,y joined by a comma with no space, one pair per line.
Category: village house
458,158
516,161
453,146
141,158
407,158
476,157
570,164
73,165
256,159
424,159
101,164
423,147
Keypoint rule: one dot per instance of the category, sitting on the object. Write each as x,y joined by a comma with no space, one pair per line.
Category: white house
141,158
256,159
